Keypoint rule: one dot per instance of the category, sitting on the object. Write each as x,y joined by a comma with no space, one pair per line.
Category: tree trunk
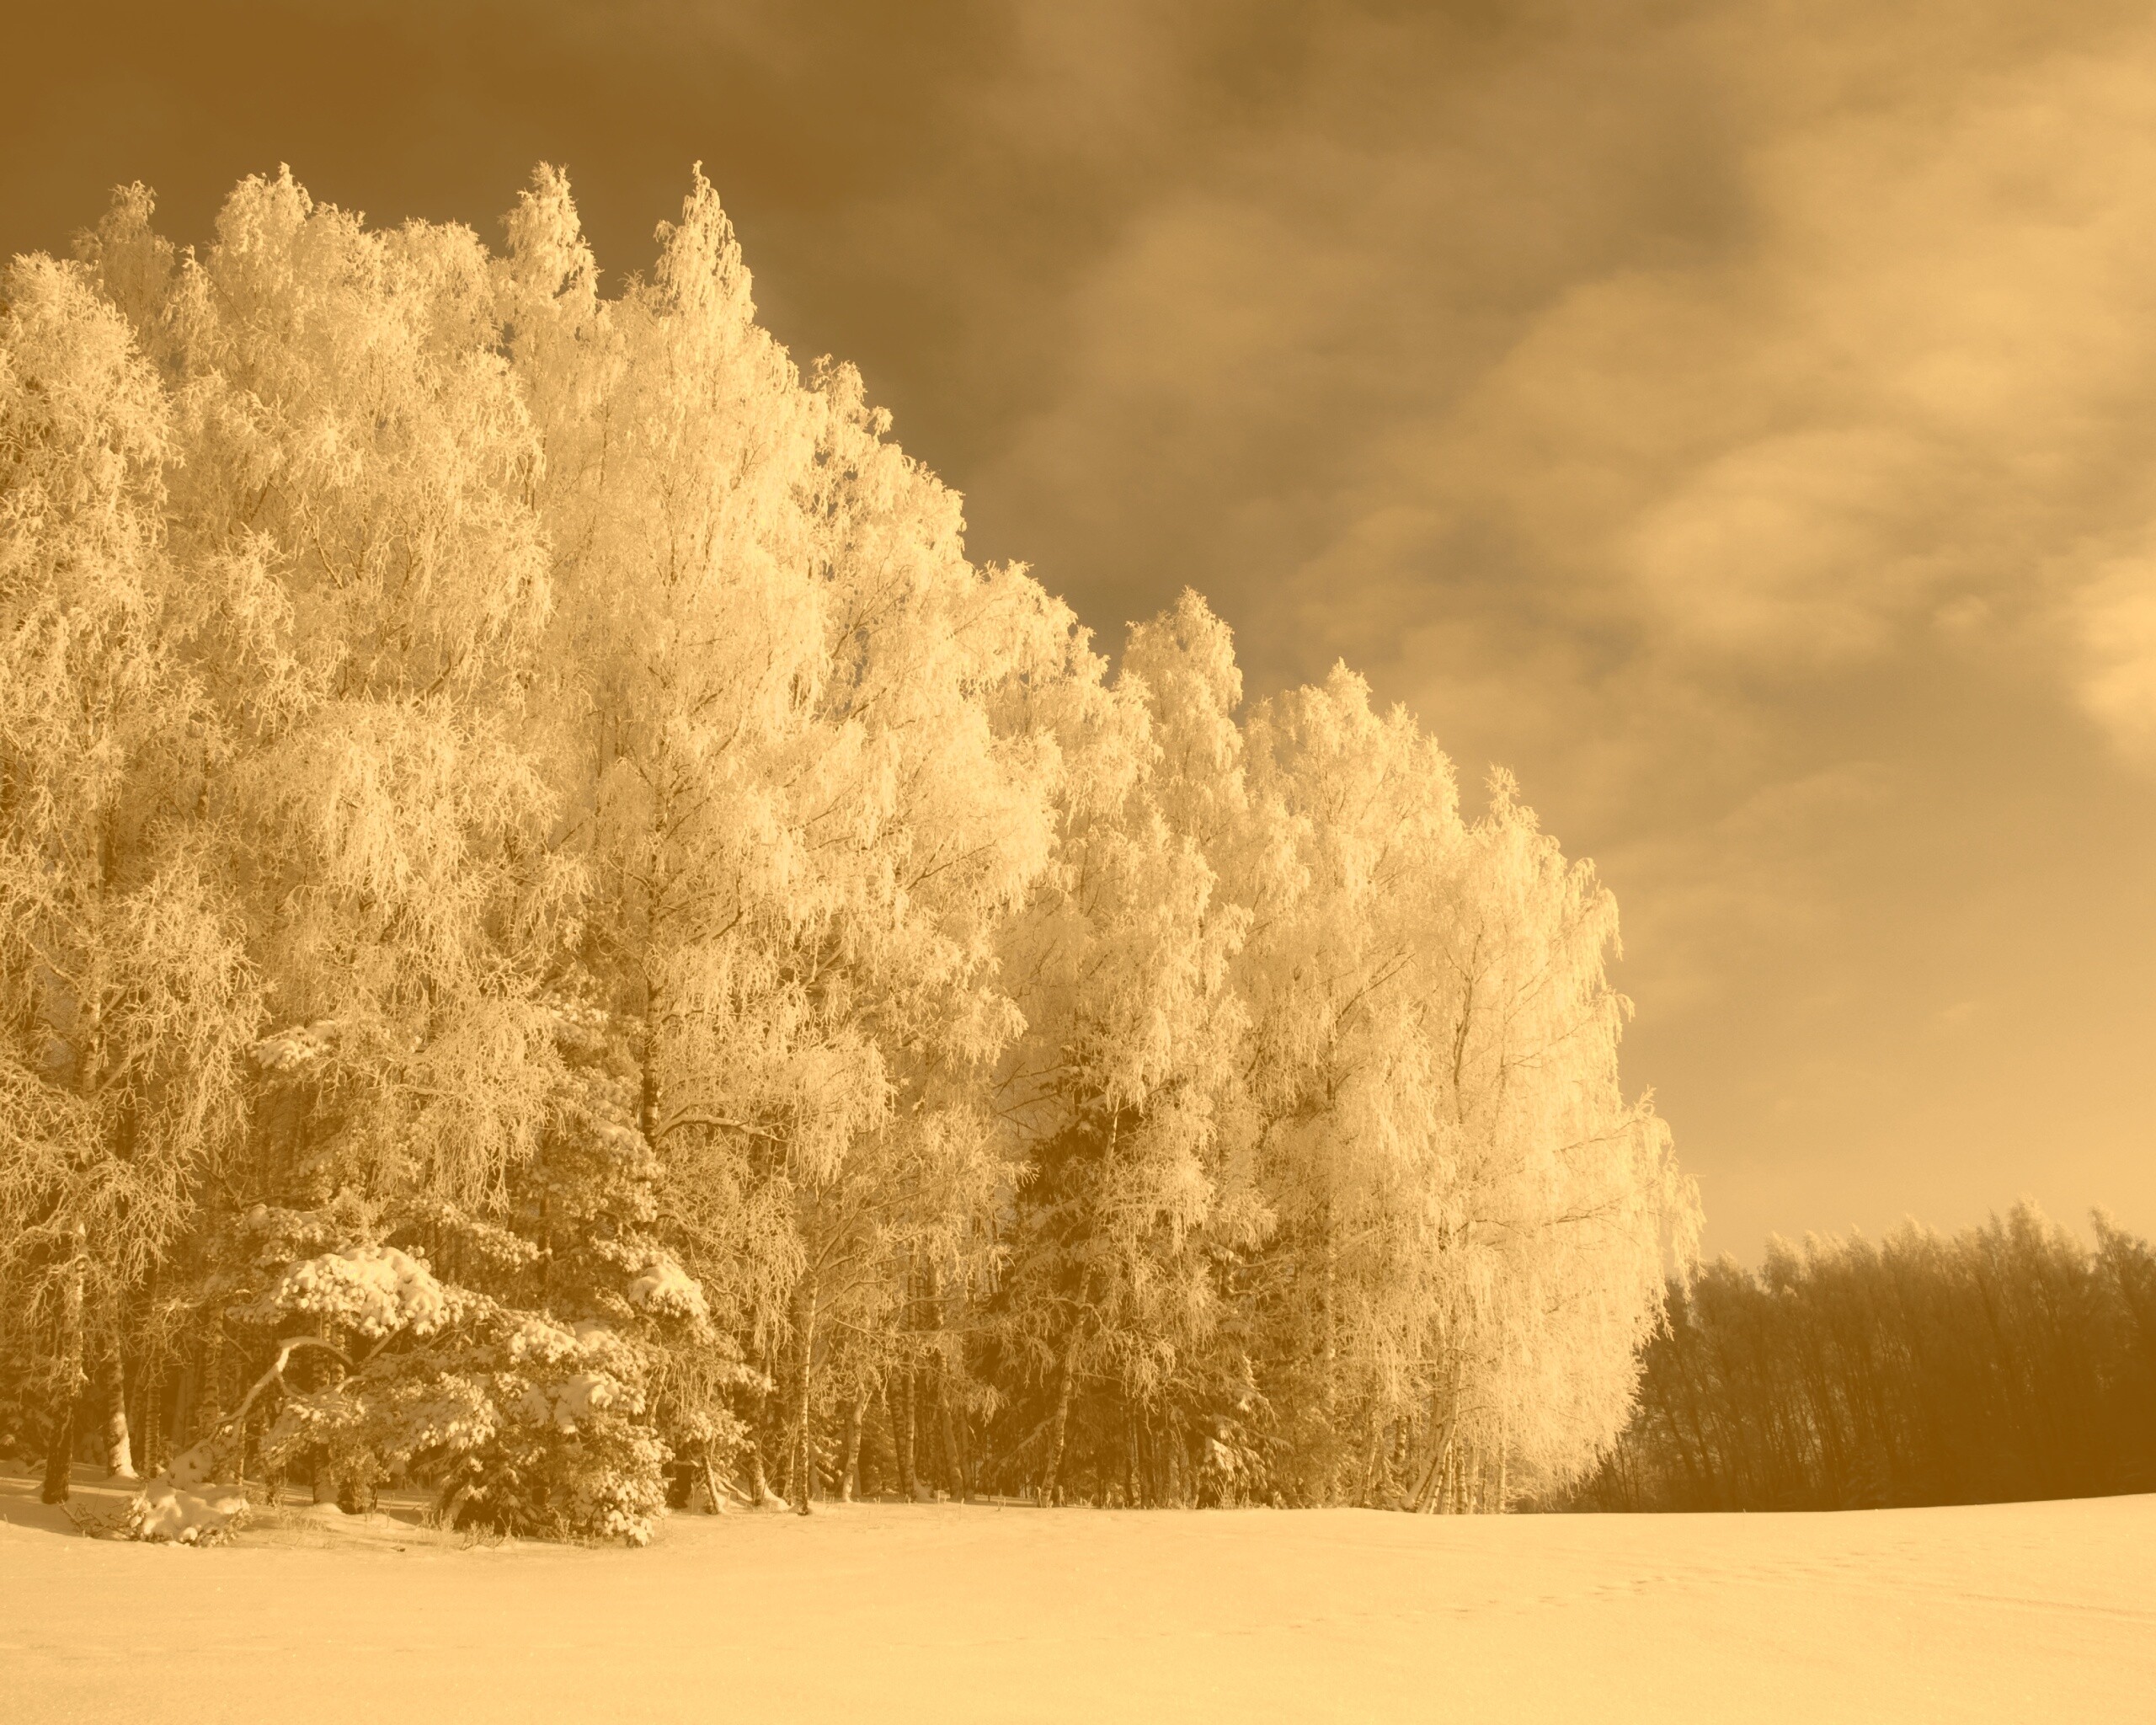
67,1377
902,1433
1429,1489
1130,1453
1066,1375
119,1452
954,1462
148,1424
648,1063
804,1459
849,1469
880,1440
60,1452
183,1407
209,1387
1371,1449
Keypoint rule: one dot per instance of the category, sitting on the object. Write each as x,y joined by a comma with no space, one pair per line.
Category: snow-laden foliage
560,942
521,1422
368,1291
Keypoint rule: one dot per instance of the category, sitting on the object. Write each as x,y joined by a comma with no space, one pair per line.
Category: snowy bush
373,1292
519,1422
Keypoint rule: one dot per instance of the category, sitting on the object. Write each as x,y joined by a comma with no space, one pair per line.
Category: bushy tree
1126,1099
126,997
554,928
1473,1217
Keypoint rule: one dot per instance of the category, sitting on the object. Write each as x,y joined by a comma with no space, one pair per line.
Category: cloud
1742,419
2115,614
1756,339
1738,416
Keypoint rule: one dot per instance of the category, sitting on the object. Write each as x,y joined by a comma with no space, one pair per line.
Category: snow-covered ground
885,1614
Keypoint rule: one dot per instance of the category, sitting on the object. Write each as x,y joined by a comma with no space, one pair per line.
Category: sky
1738,420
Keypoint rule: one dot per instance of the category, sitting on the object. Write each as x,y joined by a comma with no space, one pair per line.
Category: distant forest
2007,1362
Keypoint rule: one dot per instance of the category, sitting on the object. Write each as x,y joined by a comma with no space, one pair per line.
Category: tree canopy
557,935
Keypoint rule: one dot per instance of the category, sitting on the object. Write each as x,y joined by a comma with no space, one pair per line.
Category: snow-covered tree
126,996
1473,1217
553,921
1125,1096
804,810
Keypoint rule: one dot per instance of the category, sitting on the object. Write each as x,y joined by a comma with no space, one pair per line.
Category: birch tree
1473,1217
125,999
1125,1094
518,805
803,812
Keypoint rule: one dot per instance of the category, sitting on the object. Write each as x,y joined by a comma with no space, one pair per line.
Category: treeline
2008,1362
554,928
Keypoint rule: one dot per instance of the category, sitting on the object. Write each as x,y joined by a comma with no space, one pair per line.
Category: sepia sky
1739,418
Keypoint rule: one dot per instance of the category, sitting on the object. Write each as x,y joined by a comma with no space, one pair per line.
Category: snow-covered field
885,1614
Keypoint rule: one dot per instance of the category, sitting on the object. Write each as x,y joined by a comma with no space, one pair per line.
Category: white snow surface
946,1612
